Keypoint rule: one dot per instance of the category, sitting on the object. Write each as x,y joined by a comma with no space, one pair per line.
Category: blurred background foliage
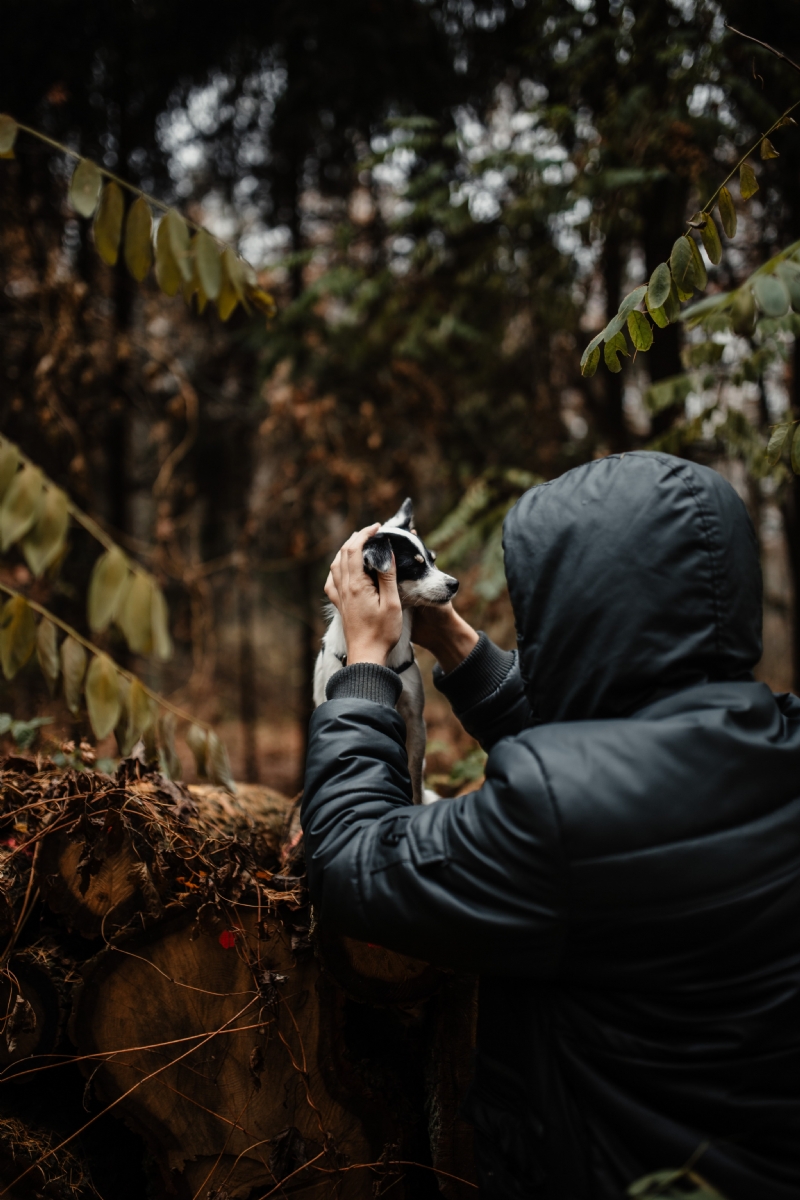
448,199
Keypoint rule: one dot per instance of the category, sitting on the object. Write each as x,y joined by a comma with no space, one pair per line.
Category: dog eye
418,558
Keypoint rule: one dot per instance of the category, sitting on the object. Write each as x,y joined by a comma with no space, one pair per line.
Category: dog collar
397,670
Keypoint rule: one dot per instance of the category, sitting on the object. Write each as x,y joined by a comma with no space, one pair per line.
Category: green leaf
135,617
209,264
681,262
218,766
700,273
169,758
633,299
6,721
651,1184
789,272
8,135
705,306
795,452
24,732
777,440
658,287
748,184
589,351
641,331
197,741
617,345
672,305
9,462
102,696
159,618
168,273
613,327
711,241
768,150
727,212
772,295
73,669
17,635
743,311
139,239
589,365
110,577
47,653
84,190
45,542
108,223
21,505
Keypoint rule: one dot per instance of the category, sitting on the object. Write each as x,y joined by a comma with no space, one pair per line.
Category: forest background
447,199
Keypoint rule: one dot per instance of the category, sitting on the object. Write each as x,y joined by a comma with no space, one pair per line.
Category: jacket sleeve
475,883
487,693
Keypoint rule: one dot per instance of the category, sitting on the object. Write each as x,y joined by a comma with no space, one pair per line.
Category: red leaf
227,939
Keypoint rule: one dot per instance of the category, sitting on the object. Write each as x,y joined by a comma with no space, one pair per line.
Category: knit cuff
481,673
365,681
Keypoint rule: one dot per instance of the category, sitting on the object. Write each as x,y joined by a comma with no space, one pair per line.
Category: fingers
331,590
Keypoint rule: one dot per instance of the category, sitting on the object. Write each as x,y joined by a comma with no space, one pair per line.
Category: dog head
419,580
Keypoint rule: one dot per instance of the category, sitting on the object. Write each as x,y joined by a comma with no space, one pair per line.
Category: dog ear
404,517
378,553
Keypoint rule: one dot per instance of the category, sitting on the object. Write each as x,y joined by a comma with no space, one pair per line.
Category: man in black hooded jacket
627,880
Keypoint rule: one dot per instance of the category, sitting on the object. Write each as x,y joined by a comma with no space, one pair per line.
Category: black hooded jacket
627,880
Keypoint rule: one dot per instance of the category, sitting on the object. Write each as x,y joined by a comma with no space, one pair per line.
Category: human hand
439,628
372,618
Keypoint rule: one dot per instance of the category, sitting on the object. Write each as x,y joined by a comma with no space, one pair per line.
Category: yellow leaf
139,239
21,505
9,461
73,668
17,635
167,271
84,190
768,150
159,618
262,301
8,135
107,588
178,234
108,223
743,312
227,299
135,616
102,696
748,184
235,275
727,212
209,264
47,653
45,542
197,741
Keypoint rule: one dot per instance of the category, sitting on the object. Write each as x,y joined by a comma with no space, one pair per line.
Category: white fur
432,588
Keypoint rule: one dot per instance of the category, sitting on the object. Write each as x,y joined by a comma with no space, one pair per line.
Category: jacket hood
631,576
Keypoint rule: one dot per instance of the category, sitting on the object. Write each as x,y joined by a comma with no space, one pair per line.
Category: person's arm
474,883
482,682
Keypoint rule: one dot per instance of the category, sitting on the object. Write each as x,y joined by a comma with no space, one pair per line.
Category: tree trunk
247,1050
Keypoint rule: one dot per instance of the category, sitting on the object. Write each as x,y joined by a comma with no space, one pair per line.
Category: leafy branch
115,698
35,513
204,265
676,281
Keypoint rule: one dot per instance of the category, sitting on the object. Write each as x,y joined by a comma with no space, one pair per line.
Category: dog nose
452,585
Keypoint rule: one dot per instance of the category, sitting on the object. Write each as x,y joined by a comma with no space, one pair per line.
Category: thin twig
778,53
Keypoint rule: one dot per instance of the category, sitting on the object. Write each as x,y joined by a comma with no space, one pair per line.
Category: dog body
419,582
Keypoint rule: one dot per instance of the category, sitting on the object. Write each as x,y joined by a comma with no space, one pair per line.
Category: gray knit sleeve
365,681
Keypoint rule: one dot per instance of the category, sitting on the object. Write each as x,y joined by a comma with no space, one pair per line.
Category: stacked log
158,939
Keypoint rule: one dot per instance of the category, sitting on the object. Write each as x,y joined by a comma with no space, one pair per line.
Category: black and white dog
419,582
